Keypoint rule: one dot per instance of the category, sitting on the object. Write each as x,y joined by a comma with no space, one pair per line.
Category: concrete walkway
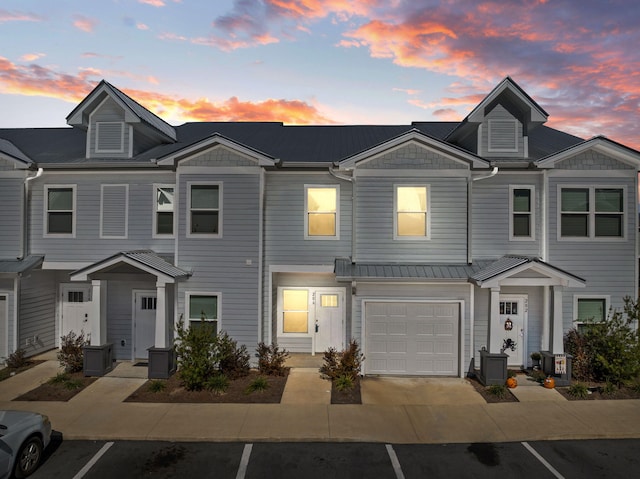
394,410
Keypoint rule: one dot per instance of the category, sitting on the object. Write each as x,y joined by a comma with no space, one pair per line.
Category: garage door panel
430,333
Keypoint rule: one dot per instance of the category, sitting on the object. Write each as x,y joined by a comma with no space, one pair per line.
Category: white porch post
557,346
495,336
161,316
546,319
98,315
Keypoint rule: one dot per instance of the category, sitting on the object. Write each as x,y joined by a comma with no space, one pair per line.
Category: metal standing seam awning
14,267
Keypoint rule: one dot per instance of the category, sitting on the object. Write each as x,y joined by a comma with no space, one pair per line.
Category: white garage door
412,338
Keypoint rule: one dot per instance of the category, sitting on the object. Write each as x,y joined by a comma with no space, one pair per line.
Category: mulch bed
596,393
57,392
174,392
6,373
346,396
487,396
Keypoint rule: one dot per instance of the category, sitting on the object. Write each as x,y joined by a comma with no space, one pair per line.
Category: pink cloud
153,3
83,23
30,57
7,16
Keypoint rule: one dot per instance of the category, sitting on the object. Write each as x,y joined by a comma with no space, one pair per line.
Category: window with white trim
522,217
109,137
322,210
60,207
295,311
203,307
590,310
205,209
411,212
591,212
163,205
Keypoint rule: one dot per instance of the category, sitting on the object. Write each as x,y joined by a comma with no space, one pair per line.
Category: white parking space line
244,461
552,469
82,472
394,462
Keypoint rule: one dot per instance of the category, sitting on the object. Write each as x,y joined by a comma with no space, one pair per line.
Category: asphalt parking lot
136,459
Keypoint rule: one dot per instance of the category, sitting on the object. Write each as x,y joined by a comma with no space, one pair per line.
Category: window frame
427,213
578,297
492,149
156,187
532,213
189,210
122,130
591,213
282,310
187,308
46,211
307,236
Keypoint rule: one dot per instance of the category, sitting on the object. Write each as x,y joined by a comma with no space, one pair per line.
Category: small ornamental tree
71,354
194,348
347,363
271,359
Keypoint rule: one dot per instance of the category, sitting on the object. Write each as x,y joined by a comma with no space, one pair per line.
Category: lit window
204,203
164,205
411,212
321,204
60,210
592,212
295,311
329,300
522,219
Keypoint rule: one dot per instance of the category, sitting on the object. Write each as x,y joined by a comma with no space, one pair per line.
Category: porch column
546,319
495,334
557,346
98,315
161,316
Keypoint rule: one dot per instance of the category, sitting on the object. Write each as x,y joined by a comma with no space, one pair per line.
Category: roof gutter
24,236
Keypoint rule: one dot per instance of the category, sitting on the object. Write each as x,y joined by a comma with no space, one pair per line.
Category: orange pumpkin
512,382
549,382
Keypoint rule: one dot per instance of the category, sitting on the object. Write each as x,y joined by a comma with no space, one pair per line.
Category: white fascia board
554,276
477,114
211,142
82,275
599,144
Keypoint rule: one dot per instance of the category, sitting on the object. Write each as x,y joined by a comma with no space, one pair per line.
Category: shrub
271,359
59,378
17,359
498,390
346,363
218,383
608,350
609,388
634,385
232,361
578,390
157,385
512,373
66,381
344,383
71,355
195,351
259,384
538,376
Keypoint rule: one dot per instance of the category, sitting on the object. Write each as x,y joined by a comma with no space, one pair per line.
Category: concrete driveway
418,391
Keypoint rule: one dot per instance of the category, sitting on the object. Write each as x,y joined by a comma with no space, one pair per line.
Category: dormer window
503,135
109,137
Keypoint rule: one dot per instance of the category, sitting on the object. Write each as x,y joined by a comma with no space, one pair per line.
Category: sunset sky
324,61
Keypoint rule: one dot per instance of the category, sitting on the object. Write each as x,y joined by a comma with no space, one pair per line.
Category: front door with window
513,311
329,323
144,322
76,308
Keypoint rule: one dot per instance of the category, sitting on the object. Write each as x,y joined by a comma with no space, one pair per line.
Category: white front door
76,308
144,322
329,320
513,314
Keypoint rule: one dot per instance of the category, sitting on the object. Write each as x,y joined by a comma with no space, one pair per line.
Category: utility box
162,363
98,360
493,368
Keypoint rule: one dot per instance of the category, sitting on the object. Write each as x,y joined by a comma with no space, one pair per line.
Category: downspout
352,180
24,235
261,255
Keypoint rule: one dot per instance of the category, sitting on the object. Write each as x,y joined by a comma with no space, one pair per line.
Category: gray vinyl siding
114,211
500,113
109,111
119,314
87,246
221,265
284,220
608,266
374,221
491,216
10,217
38,312
423,292
8,328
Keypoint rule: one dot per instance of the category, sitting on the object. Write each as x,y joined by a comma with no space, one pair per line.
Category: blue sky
324,61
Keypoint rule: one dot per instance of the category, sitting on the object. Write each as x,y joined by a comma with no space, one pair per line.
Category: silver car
23,437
